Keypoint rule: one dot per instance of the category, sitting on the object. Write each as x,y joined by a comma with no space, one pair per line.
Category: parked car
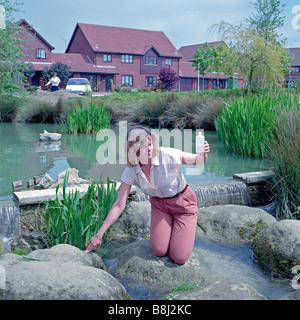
78,85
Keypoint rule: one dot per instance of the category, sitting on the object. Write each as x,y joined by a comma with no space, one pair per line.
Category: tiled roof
125,40
80,63
39,66
27,25
295,52
188,52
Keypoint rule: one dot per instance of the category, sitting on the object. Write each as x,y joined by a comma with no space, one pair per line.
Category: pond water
24,156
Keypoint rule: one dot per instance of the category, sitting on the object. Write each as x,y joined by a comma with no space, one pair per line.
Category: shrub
88,119
37,111
9,106
75,218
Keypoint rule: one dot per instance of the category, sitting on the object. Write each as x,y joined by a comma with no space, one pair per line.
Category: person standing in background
54,81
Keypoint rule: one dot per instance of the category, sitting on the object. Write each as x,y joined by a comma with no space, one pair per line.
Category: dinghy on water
50,136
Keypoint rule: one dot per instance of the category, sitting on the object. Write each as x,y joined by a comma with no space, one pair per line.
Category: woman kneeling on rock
157,172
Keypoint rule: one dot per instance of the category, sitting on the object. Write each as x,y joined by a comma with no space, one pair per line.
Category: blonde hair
137,137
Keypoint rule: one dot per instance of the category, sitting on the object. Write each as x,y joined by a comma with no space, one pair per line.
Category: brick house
37,50
191,80
293,76
129,57
122,56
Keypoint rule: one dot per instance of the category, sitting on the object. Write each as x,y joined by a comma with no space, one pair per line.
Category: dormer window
41,53
151,60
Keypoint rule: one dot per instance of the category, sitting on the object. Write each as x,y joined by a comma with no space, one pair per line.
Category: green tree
12,66
63,72
261,62
202,61
267,18
223,60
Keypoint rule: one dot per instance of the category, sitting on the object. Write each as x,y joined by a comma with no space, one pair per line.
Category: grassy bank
178,109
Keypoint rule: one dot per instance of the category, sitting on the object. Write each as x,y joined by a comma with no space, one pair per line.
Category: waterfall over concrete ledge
234,192
9,218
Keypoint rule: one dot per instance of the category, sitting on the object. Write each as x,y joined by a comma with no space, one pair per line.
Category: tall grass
88,119
76,218
37,111
245,125
284,152
9,106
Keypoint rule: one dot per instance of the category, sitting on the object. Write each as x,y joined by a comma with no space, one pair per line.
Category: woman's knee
159,251
179,258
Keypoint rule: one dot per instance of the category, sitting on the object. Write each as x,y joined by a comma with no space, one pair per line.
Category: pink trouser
173,225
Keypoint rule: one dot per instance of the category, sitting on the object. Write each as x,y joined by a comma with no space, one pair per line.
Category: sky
185,22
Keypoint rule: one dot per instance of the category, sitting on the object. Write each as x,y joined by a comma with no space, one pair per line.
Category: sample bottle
200,142
197,169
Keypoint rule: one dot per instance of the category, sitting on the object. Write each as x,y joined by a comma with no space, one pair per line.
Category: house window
151,60
127,58
168,62
150,81
294,70
41,53
107,57
127,81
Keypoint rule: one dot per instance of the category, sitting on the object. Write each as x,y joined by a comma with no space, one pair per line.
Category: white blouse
165,175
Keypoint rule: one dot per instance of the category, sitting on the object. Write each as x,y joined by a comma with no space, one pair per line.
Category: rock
3,248
49,136
46,182
30,183
232,223
30,241
17,185
254,177
219,291
134,221
37,180
278,247
138,267
73,179
60,273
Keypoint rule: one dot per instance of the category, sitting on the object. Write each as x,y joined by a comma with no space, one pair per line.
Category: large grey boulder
233,223
139,268
60,273
278,247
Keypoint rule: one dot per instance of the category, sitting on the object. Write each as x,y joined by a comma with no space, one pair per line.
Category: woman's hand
206,147
94,243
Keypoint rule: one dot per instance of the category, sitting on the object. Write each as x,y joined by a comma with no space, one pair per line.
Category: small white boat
50,136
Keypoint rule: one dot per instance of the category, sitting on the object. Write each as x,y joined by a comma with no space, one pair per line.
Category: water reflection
24,156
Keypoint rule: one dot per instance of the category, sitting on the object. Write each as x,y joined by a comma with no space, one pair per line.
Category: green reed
284,153
88,119
74,218
246,124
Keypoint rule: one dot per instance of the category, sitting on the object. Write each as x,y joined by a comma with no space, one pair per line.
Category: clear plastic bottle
197,169
200,142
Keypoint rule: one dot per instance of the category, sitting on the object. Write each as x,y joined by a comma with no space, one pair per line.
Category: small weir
10,225
234,192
